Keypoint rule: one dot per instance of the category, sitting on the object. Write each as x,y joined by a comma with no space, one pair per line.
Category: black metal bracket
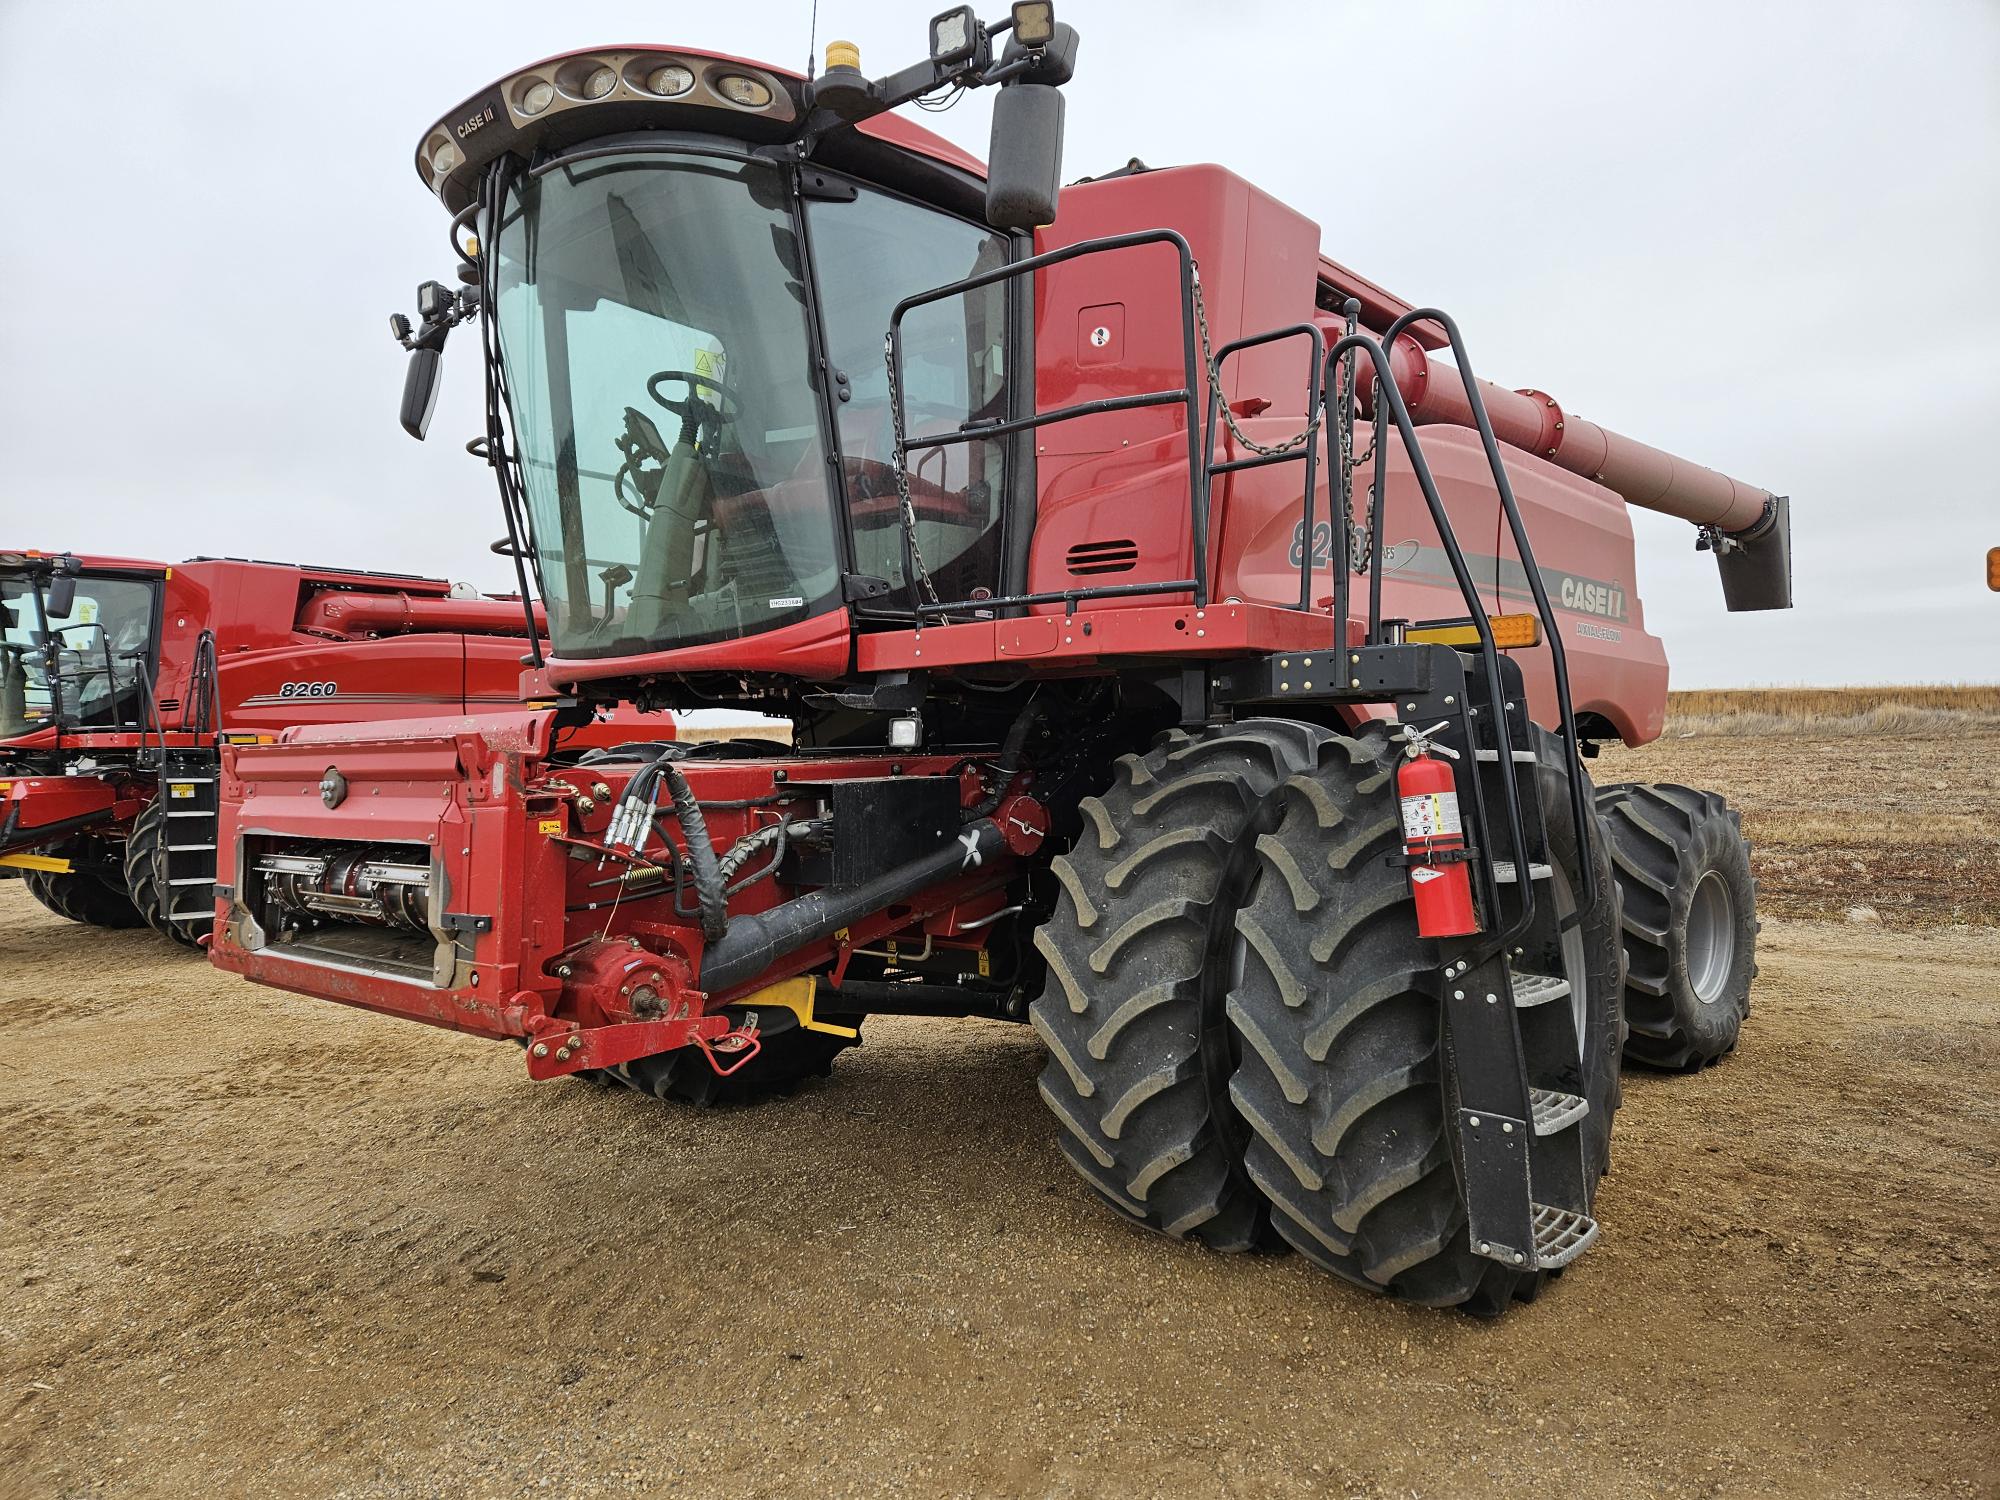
459,921
859,588
1358,674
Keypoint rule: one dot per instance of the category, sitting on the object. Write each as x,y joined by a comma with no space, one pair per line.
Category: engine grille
1088,559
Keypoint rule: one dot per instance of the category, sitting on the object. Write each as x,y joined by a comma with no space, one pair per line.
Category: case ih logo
483,118
1586,597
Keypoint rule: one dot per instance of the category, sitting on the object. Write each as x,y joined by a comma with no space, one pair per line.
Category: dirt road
252,1244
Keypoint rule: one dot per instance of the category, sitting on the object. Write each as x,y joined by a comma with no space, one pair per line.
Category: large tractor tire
1345,1079
788,1056
1138,954
146,879
1690,921
82,896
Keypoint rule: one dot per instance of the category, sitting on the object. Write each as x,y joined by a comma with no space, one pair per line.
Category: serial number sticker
180,789
790,601
552,826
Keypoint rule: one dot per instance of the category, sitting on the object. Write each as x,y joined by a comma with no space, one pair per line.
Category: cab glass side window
870,254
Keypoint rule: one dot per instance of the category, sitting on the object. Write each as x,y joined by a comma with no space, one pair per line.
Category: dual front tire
1246,1043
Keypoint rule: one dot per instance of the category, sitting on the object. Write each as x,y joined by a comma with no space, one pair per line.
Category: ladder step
1555,1111
1523,757
190,848
1506,873
1537,989
189,812
194,880
190,781
1561,1235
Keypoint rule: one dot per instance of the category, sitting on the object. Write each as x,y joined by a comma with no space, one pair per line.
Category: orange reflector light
249,739
1993,569
1509,632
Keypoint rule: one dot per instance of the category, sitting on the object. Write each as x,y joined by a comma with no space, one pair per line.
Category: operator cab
685,315
77,644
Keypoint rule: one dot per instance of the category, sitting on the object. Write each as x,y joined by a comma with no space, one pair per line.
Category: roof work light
1034,22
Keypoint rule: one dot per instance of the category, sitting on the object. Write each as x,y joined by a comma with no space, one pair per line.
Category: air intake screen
1087,559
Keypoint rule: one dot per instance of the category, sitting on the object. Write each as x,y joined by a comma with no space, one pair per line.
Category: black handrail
1343,587
1187,397
1385,386
1579,804
1309,450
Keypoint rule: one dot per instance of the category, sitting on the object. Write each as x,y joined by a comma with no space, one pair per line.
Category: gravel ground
256,1244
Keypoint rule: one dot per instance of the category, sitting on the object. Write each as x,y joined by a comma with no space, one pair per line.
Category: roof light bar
595,93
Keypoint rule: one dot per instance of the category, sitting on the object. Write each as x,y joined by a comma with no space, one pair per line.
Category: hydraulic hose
710,891
1011,750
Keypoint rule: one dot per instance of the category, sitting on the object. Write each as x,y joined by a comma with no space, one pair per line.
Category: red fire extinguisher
1434,838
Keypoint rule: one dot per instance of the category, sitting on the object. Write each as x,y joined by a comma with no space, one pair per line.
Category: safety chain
1297,439
1360,542
902,477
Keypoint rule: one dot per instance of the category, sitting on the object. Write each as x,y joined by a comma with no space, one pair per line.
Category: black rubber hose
709,891
759,939
1010,759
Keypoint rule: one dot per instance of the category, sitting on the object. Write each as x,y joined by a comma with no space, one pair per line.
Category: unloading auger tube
1748,529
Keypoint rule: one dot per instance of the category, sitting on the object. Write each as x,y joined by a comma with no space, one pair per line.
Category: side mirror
1024,161
61,597
420,389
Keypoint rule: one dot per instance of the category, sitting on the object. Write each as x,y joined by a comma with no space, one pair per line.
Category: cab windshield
652,318
81,669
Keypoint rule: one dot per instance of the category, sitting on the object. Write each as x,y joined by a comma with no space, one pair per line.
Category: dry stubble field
252,1244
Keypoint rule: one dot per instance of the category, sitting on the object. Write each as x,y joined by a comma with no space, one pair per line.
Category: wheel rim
1711,937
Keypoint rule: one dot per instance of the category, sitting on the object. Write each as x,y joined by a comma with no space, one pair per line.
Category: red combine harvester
1155,676
120,680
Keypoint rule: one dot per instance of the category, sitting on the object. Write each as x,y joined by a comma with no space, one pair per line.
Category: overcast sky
1764,236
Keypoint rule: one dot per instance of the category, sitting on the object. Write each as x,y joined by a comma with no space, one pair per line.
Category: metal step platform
1554,1111
1537,989
1561,1236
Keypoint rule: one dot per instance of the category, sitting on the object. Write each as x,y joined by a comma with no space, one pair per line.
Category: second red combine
121,679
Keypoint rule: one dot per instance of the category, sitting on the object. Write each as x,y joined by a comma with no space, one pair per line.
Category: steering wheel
692,406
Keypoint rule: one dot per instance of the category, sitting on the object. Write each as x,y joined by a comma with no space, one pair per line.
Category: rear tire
146,879
1690,922
1345,1077
1138,950
82,896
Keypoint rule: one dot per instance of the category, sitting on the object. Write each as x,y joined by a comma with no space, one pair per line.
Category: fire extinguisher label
1434,815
